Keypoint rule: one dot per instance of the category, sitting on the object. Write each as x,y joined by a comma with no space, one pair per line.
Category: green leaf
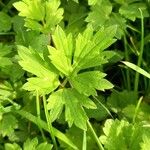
74,102
87,82
30,9
89,47
117,19
8,124
60,61
5,22
74,15
30,144
143,113
5,50
131,11
33,145
5,61
136,68
93,2
61,136
63,43
99,13
46,80
44,146
76,135
43,85
121,135
146,143
14,146
119,100
88,51
63,52
40,15
54,14
101,112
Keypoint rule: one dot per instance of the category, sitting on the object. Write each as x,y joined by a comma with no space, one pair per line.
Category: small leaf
8,124
43,85
131,11
30,144
92,2
14,146
40,15
44,146
5,22
99,13
146,143
31,9
60,61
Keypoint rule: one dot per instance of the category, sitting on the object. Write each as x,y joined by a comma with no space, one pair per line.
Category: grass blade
137,69
43,125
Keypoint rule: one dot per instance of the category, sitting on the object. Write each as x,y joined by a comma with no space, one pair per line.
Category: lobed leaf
87,82
73,102
40,15
46,80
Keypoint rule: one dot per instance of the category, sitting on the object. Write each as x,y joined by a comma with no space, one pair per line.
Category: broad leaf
40,15
131,11
43,85
87,83
74,103
119,100
89,47
8,124
99,13
61,56
33,145
121,135
84,52
46,80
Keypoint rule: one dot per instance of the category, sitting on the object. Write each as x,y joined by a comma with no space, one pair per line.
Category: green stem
43,124
95,136
7,33
137,108
84,146
39,114
127,59
50,128
101,104
136,81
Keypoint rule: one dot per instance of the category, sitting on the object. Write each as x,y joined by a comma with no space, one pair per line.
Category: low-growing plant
60,83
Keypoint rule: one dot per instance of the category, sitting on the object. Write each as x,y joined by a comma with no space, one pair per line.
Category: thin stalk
136,81
95,136
137,108
7,33
84,145
50,128
39,114
127,59
101,104
124,77
43,124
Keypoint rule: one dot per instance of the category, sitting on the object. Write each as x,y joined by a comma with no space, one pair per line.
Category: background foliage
70,74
